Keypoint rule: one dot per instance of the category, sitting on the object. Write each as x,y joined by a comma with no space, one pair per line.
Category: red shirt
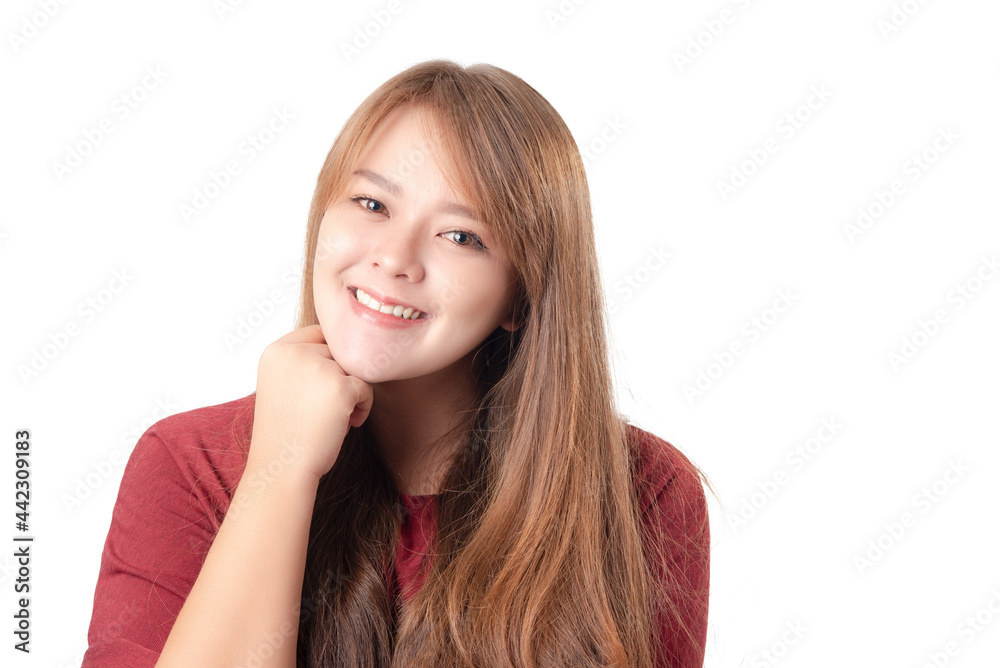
176,489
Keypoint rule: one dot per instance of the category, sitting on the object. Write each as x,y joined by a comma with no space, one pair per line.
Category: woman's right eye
369,204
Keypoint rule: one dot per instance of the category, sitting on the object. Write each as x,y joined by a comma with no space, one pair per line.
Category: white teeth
405,312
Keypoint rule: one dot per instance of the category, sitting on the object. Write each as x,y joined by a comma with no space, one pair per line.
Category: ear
512,322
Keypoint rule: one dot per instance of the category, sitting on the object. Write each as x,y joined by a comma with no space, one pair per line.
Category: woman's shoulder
205,441
658,467
207,419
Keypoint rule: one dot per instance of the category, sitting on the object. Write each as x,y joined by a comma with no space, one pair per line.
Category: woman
431,471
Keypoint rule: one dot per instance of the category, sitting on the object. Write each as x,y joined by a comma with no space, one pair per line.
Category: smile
401,312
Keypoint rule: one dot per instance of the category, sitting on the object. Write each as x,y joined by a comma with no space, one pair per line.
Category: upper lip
382,299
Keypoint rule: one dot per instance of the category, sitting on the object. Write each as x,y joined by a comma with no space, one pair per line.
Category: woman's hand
305,404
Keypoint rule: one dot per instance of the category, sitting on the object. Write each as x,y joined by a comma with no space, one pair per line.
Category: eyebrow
380,181
397,191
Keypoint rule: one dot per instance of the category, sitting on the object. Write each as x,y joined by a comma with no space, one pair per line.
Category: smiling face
415,248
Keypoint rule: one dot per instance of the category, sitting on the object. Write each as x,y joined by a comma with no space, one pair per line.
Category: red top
176,490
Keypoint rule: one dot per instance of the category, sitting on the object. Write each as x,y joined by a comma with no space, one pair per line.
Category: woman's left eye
463,238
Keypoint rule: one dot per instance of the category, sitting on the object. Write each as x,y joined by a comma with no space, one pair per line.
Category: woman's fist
305,404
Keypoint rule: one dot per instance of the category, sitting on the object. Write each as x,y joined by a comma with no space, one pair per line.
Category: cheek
488,302
337,242
330,247
332,256
503,287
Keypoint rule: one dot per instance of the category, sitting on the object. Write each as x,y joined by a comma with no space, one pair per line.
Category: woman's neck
410,417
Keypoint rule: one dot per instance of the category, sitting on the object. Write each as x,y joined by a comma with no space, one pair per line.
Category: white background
673,131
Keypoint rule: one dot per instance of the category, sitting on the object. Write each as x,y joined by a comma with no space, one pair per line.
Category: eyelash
476,241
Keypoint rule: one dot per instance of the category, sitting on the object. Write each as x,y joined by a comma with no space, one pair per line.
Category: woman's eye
463,238
369,204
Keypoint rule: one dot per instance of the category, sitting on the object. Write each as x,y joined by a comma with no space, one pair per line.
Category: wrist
276,477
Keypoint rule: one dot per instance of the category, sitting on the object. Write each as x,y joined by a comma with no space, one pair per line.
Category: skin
416,246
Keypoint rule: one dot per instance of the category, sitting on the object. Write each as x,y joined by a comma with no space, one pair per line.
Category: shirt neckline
416,500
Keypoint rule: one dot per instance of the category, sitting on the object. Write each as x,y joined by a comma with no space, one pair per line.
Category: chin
370,373
371,370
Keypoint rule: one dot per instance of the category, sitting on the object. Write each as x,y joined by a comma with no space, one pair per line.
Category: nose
396,252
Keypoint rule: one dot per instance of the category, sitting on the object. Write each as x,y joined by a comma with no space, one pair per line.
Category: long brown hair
539,556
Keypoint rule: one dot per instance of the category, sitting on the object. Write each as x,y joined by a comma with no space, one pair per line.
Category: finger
363,398
307,334
317,349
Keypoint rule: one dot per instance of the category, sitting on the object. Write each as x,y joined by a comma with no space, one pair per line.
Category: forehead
410,141
405,126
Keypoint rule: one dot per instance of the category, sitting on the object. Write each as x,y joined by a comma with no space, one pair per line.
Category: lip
378,318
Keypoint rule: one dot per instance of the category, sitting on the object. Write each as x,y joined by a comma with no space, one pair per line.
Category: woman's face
400,234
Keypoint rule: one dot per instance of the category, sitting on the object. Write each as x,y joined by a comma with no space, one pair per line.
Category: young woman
432,471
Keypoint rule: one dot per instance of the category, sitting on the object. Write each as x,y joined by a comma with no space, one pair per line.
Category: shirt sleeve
679,521
161,528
